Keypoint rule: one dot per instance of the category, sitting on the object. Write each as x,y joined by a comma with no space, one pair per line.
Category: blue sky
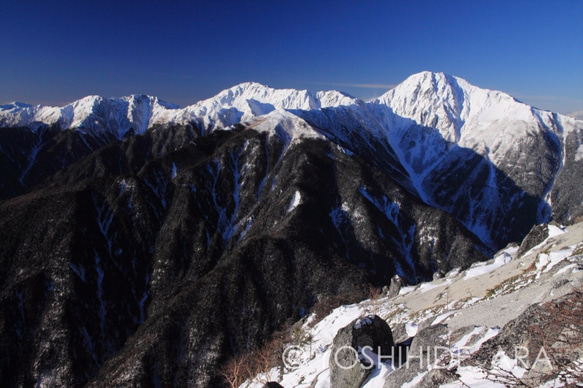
54,52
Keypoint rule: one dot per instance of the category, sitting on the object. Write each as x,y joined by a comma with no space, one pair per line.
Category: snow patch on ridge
288,127
579,153
295,201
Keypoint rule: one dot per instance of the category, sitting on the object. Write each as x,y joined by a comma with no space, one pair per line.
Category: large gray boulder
425,348
349,364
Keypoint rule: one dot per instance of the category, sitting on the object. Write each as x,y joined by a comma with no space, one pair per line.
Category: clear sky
56,51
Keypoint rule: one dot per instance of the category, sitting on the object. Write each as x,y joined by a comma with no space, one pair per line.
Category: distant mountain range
147,243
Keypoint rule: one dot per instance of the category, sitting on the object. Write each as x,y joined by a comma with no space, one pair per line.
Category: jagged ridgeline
146,243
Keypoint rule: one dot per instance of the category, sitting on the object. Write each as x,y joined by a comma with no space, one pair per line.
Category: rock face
537,234
566,195
425,349
353,348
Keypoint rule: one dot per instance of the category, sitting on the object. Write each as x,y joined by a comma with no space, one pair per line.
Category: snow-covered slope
475,304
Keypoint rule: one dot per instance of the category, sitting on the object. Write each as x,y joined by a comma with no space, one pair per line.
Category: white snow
579,153
472,376
442,317
295,201
553,259
37,146
488,122
461,112
411,329
481,332
317,353
570,267
174,171
248,101
555,231
379,374
406,290
79,270
288,127
504,363
490,333
452,114
313,357
94,114
483,268
424,287
104,219
102,308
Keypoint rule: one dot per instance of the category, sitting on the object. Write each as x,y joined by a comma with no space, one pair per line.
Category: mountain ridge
429,124
280,98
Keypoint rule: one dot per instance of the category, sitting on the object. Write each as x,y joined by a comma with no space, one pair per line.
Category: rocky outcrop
355,349
427,346
396,284
537,235
566,194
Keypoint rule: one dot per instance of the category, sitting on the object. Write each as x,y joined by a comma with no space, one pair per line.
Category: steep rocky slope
483,326
125,268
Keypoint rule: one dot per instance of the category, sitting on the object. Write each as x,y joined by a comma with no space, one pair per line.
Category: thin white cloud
538,97
576,115
560,104
354,85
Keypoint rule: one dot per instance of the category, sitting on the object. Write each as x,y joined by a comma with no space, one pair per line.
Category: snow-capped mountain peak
247,101
14,104
444,102
289,99
286,126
